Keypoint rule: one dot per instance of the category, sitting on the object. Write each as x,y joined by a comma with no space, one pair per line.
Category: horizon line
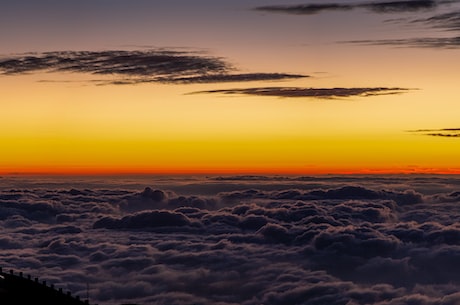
350,172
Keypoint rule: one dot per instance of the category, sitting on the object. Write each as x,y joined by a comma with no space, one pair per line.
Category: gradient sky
273,87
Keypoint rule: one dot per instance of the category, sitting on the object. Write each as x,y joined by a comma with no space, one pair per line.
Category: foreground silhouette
15,289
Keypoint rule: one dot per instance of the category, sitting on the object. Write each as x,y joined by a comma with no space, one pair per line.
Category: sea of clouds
247,240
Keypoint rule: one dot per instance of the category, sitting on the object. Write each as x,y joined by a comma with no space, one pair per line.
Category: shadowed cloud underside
164,66
296,92
427,42
376,7
444,132
446,22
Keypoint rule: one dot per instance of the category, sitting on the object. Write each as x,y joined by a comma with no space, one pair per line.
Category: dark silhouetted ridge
16,289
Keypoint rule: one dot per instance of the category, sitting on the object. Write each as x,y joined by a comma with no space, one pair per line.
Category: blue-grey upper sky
52,25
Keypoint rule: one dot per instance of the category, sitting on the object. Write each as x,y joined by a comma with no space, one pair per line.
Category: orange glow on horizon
74,127
227,171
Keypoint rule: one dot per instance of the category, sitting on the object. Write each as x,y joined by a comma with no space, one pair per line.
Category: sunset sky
243,86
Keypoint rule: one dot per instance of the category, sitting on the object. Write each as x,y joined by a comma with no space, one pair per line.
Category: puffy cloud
193,201
275,232
346,192
145,200
151,219
22,205
296,92
356,241
150,199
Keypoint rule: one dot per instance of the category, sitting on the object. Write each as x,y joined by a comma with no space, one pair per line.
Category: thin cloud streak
308,9
134,67
245,77
446,21
444,132
296,92
211,78
429,42
376,7
449,22
400,6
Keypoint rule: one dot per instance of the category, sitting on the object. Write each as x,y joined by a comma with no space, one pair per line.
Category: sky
229,87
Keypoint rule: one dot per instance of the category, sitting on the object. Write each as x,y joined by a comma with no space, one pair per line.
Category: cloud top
252,240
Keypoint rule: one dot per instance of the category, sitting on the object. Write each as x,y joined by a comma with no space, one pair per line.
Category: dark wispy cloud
214,78
376,7
427,42
131,67
243,77
131,63
325,93
444,132
307,9
446,21
400,6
